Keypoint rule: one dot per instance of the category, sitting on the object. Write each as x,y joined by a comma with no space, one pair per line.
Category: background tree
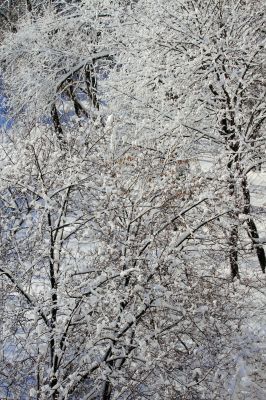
200,71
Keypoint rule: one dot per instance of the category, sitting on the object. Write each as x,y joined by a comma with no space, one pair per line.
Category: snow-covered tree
112,242
197,67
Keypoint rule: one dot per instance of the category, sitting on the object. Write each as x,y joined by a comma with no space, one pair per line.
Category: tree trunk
56,122
252,229
233,252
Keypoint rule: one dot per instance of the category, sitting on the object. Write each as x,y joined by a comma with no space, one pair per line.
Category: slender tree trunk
252,229
233,252
107,391
91,83
234,169
56,122
79,110
53,321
